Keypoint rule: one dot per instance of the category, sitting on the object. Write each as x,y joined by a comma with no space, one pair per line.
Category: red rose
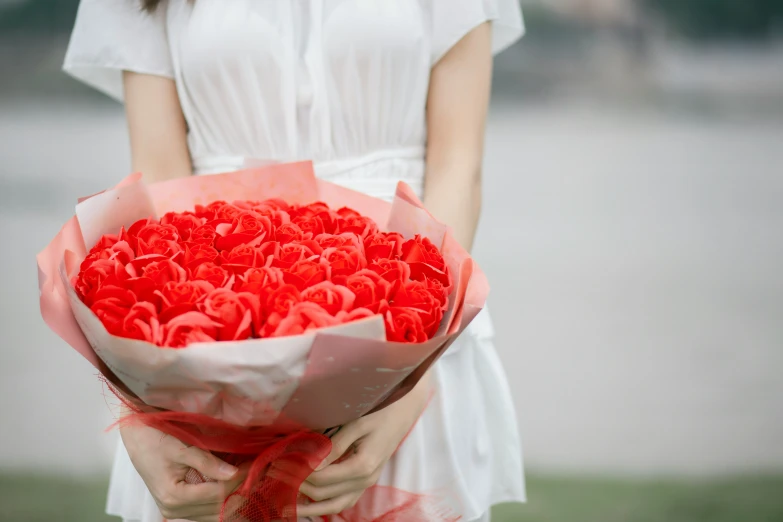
163,247
353,315
359,225
184,222
272,203
276,305
164,271
198,253
132,233
102,272
119,251
330,297
338,240
106,241
270,249
291,254
209,212
227,211
179,297
189,328
111,305
425,260
259,280
305,273
246,228
415,295
383,246
204,234
303,317
436,288
369,288
215,275
347,213
343,261
290,232
235,312
394,271
241,258
142,323
154,238
309,225
404,325
277,217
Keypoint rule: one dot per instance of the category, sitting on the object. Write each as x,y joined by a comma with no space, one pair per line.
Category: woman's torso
335,81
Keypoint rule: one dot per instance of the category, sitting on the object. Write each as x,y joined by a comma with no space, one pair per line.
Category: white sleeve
453,19
111,36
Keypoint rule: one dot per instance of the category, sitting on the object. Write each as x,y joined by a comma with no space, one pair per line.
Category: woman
373,91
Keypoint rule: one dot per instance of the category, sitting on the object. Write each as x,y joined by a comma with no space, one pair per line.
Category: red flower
404,325
164,271
289,232
383,246
119,251
338,240
291,254
359,225
102,272
394,271
189,328
131,235
179,297
369,288
330,297
415,295
215,275
184,222
309,225
277,305
111,305
154,238
259,280
425,260
141,323
241,258
205,235
302,317
198,253
305,273
235,312
246,228
343,261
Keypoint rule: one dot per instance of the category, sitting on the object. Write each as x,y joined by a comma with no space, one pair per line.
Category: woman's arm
456,112
157,128
158,138
456,116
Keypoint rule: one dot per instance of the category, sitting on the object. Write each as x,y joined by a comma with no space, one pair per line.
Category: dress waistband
376,173
217,163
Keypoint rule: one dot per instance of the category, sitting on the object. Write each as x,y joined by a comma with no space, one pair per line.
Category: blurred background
633,230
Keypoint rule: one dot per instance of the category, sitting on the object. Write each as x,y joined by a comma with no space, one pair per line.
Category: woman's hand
365,446
163,461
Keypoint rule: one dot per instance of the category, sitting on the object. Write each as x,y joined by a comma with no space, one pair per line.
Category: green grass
46,499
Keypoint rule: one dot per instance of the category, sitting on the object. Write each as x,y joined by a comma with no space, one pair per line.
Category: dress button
304,95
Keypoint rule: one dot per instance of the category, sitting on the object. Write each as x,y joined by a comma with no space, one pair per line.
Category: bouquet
251,328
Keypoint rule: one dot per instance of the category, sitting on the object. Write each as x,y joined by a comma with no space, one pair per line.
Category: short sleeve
111,36
453,19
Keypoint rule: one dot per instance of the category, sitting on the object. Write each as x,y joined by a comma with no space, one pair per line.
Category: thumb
207,464
342,442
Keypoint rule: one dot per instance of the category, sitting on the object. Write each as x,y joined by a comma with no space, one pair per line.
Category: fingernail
228,470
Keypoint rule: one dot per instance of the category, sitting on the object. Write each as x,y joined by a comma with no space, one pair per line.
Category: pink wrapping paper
322,378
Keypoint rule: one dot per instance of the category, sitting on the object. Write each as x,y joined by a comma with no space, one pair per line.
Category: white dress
344,83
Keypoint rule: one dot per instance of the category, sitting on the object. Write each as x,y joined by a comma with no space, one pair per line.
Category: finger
328,507
210,492
206,463
321,493
342,442
360,466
